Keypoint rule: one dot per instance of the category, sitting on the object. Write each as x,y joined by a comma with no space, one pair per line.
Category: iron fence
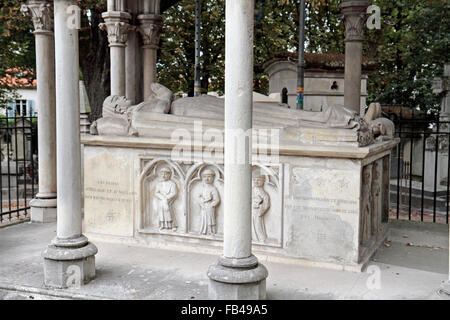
420,171
18,169
419,184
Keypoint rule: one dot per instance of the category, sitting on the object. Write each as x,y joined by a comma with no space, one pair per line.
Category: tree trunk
205,82
94,63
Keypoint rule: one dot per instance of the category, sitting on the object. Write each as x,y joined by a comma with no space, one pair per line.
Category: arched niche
273,218
148,180
193,189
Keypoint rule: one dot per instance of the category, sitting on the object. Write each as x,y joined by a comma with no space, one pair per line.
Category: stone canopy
323,196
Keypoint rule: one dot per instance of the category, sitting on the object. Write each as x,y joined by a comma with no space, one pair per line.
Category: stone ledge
43,203
285,150
66,254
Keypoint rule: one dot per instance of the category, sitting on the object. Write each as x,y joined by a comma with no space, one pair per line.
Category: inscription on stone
104,190
321,205
108,194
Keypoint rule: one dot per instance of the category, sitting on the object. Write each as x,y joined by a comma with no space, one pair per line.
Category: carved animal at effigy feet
383,129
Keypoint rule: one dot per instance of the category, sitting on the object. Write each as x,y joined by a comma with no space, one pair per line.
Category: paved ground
411,265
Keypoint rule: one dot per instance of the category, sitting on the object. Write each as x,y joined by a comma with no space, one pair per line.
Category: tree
17,50
94,55
176,59
410,50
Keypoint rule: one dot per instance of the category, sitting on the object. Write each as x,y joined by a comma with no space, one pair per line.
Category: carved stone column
133,66
150,29
43,207
117,26
354,16
70,259
238,275
85,110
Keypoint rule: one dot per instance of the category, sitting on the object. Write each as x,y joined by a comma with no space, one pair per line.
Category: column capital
150,29
354,15
117,26
41,13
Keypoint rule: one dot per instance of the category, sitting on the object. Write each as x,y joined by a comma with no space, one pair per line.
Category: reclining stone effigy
159,115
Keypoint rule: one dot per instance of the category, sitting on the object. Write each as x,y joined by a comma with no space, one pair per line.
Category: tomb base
327,205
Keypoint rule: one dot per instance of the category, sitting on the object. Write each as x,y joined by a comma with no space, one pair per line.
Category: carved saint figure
366,204
208,200
165,193
260,206
376,189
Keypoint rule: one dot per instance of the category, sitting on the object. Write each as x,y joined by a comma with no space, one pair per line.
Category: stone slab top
309,150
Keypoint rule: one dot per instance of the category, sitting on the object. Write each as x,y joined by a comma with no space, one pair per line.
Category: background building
324,78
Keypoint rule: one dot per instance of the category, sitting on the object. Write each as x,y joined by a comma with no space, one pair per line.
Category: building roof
321,61
16,78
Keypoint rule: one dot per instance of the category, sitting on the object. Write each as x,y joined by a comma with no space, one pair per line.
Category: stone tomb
317,204
320,189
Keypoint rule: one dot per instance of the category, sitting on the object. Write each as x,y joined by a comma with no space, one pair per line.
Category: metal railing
18,169
420,171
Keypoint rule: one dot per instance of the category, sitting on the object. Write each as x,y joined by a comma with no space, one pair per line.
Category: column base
237,283
69,265
43,210
445,288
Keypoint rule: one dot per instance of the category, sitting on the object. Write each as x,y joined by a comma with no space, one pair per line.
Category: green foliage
276,32
176,58
16,46
410,49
